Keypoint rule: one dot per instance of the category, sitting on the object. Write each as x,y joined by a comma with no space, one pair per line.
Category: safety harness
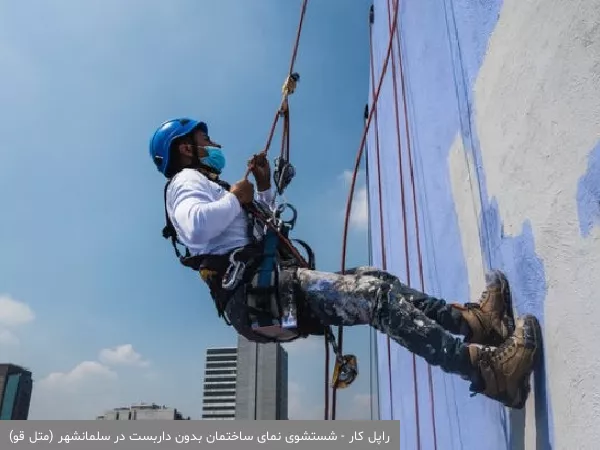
256,268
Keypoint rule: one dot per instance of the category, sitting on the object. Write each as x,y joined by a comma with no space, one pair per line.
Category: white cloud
360,215
122,355
13,312
310,345
82,373
360,408
359,212
91,387
299,405
79,394
8,338
362,400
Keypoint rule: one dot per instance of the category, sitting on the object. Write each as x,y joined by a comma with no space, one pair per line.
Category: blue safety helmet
160,144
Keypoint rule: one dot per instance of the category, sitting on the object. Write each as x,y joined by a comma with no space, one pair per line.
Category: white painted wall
537,100
528,71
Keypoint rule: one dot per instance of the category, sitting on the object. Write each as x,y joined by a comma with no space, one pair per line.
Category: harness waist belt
212,269
220,263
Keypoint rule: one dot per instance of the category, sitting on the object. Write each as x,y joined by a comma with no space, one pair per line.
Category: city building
247,382
15,392
143,411
220,375
262,381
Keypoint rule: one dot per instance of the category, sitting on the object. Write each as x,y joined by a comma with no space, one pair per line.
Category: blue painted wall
443,45
588,194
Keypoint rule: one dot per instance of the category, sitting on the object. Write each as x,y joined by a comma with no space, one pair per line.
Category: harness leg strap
273,310
271,296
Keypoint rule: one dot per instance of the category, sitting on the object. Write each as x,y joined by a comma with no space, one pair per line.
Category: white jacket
207,218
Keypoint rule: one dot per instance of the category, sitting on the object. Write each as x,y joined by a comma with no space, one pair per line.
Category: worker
497,353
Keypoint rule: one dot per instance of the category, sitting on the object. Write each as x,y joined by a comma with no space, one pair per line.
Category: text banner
208,434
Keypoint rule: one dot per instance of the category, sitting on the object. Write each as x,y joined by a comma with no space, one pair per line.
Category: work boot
490,321
503,373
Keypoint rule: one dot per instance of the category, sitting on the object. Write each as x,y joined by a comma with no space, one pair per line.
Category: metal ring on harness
288,223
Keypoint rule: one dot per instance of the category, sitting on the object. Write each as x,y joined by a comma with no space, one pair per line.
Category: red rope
340,340
283,110
417,229
292,63
363,141
404,223
379,193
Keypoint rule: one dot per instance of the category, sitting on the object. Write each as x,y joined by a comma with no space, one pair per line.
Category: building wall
262,381
282,385
220,389
246,380
503,120
142,412
15,392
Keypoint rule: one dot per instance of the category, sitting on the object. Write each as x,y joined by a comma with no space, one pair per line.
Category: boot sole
498,277
533,338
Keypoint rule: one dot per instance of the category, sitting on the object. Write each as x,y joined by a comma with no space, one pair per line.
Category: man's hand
259,166
244,191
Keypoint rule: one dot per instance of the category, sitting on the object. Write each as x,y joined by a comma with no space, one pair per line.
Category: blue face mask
214,159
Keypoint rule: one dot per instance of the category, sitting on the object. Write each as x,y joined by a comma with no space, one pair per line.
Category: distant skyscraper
245,383
143,411
262,381
15,392
220,384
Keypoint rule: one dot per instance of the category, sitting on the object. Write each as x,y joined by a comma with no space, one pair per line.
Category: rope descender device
283,174
284,171
345,370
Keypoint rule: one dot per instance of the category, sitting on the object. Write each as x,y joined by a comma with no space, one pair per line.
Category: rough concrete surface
503,106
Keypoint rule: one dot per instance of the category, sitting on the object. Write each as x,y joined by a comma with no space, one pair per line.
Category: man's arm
262,174
200,218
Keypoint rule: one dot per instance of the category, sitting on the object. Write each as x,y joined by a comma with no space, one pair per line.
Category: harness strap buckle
234,272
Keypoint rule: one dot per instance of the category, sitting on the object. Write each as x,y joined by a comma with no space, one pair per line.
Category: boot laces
472,305
503,350
481,302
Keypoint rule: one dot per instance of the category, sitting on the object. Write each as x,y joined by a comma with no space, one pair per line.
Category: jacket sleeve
199,218
265,197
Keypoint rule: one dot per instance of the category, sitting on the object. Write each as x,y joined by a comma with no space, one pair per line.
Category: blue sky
92,298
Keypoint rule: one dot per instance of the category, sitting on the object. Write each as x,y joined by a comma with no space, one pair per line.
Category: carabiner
234,272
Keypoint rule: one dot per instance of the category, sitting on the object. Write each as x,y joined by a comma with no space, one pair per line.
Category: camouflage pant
369,296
